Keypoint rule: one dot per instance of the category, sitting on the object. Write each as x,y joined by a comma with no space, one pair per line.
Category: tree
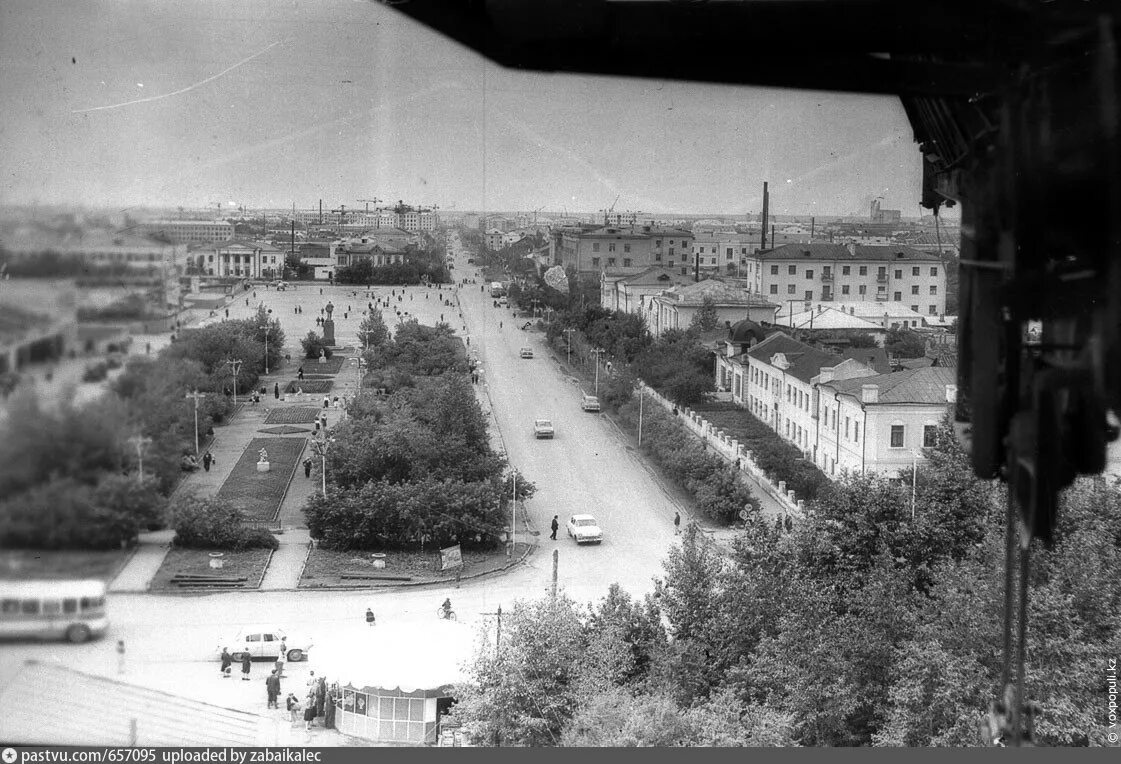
213,523
525,694
706,318
313,344
372,331
904,343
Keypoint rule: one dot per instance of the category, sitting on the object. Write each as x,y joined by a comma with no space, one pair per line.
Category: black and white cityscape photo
585,373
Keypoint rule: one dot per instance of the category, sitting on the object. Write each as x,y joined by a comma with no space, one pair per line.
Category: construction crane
538,210
368,202
609,210
342,214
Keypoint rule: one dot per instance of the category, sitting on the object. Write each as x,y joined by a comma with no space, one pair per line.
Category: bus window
9,607
92,603
29,607
70,606
52,607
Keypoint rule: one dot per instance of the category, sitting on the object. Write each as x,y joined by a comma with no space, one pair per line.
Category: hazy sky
273,102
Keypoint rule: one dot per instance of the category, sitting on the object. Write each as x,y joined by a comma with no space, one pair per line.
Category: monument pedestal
262,466
329,333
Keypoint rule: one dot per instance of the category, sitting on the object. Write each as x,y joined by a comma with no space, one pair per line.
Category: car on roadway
264,642
543,428
526,352
584,529
590,403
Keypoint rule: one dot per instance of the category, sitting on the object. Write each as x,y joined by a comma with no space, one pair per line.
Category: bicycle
445,614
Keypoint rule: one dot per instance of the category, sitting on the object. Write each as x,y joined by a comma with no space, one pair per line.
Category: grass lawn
259,494
293,415
250,563
313,366
39,563
311,386
326,567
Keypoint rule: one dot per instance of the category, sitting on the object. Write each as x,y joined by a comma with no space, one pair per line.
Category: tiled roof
925,385
842,252
49,704
870,310
873,358
829,318
805,362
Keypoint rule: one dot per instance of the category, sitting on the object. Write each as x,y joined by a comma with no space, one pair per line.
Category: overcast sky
273,102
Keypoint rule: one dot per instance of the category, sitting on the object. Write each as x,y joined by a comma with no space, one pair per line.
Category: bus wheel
295,656
77,633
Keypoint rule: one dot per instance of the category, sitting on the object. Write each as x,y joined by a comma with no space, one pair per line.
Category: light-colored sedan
584,529
543,428
264,642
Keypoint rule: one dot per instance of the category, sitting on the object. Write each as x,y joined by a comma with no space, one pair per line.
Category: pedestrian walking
272,687
276,390
370,620
676,523
309,712
300,373
280,658
326,402
307,466
207,460
295,710
227,661
246,664
555,526
147,348
227,312
120,656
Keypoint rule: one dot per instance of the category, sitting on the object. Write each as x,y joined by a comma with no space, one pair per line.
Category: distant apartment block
622,250
852,273
189,231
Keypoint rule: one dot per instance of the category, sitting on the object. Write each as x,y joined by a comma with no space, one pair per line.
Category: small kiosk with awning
395,679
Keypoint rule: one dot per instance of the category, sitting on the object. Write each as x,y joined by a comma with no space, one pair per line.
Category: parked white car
584,529
543,428
264,642
590,403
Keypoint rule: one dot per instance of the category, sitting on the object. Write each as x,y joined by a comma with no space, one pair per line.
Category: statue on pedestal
322,355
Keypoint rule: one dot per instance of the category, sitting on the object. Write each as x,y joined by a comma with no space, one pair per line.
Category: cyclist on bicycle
446,608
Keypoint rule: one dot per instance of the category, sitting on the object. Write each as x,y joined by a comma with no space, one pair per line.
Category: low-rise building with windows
675,308
244,259
631,294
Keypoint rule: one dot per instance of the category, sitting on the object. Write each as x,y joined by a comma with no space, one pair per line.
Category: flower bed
325,568
311,386
251,563
259,494
333,365
293,415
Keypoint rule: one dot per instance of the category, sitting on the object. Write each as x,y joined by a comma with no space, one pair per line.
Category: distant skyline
266,103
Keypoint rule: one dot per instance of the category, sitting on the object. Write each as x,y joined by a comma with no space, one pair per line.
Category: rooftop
805,362
719,292
925,385
845,252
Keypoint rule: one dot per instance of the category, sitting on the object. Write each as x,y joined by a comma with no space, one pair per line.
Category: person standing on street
246,664
272,687
555,526
370,620
276,390
207,460
120,656
676,523
280,658
307,467
227,661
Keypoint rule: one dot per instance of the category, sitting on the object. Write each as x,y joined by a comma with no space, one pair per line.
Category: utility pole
321,447
597,352
514,515
640,399
498,633
140,442
568,335
196,395
235,366
556,558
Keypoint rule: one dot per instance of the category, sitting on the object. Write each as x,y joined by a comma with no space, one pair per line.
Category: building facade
852,273
675,308
622,250
189,231
243,259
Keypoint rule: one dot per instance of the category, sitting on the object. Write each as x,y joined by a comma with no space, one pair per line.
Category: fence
729,448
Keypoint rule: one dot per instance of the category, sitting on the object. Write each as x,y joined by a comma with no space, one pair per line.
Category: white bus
71,610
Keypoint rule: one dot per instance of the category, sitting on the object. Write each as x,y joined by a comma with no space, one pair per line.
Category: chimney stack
766,204
869,393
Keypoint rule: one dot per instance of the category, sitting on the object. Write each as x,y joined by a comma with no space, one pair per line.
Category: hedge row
714,484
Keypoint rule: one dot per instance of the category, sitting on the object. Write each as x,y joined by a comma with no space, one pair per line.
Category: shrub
204,523
312,344
95,372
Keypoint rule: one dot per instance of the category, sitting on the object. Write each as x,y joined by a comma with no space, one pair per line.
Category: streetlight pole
514,515
140,442
914,481
640,399
568,336
235,366
266,328
196,395
321,447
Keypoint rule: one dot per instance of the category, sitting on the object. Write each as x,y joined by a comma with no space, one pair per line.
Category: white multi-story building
852,273
721,249
189,231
